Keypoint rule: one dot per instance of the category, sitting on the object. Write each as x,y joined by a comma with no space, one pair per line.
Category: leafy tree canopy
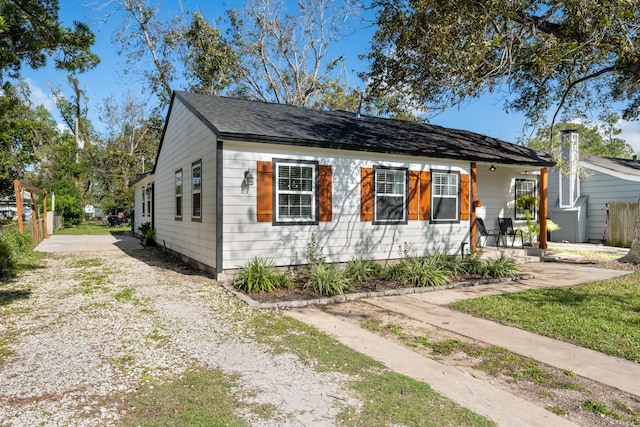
30,32
574,55
594,138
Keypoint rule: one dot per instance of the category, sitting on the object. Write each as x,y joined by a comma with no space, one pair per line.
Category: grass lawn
94,228
602,316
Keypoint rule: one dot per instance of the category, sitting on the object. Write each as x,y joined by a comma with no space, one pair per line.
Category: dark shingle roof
257,121
624,166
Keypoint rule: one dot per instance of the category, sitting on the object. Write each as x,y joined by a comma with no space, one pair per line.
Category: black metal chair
507,229
483,232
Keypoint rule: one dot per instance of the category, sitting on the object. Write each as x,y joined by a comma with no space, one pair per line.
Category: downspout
542,208
219,209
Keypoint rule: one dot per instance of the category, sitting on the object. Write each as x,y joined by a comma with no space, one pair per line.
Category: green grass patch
602,316
601,256
201,397
558,410
93,228
125,295
388,398
86,263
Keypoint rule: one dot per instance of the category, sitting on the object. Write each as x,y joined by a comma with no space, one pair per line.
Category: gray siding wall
186,140
600,188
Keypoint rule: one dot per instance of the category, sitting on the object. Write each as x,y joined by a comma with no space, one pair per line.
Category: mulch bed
300,293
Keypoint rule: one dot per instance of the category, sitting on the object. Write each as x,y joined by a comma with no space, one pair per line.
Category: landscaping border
371,294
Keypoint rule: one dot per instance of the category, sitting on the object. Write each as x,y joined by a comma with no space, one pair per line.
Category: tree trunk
633,257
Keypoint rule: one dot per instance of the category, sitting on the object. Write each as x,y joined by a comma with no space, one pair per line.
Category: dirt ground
557,390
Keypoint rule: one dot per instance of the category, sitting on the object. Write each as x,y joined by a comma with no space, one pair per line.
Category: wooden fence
621,223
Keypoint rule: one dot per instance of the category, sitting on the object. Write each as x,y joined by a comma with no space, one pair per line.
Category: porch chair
507,229
483,232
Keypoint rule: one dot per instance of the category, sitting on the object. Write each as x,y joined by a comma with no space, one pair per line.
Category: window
179,194
390,195
144,202
296,194
148,197
196,190
525,187
444,194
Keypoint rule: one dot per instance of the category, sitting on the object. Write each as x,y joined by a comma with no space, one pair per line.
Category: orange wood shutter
425,196
366,194
414,190
264,192
325,194
465,204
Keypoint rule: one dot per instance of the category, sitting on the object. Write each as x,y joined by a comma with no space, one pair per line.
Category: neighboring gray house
578,200
237,179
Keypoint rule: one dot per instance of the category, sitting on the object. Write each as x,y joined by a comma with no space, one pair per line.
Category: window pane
390,195
178,182
178,206
196,205
445,208
445,196
390,208
197,177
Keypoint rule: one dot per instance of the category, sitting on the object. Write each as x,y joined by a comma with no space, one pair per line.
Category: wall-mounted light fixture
247,181
248,178
492,168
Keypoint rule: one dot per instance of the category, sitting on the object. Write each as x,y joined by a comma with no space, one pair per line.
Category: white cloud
631,133
40,97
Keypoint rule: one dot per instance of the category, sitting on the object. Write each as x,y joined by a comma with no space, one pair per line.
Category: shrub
325,278
260,275
470,265
360,270
499,267
421,271
6,259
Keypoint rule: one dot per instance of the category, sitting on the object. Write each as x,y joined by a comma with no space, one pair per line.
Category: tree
565,56
613,146
210,62
569,56
598,139
284,54
133,132
30,32
143,34
23,131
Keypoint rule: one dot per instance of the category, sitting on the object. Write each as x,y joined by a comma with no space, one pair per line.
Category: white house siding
345,237
496,191
186,140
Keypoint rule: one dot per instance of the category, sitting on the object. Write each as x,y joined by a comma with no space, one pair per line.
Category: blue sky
484,115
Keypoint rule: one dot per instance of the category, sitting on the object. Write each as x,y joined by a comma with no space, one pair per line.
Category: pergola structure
19,187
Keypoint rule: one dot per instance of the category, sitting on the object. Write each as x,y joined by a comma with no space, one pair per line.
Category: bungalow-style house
578,198
237,179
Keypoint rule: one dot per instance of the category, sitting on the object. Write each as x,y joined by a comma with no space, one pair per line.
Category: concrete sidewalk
480,397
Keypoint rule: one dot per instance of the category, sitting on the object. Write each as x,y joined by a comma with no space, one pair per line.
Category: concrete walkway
498,405
60,243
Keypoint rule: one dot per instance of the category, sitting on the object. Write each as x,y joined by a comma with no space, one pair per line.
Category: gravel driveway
94,324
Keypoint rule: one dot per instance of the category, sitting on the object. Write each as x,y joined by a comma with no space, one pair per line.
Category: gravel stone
95,325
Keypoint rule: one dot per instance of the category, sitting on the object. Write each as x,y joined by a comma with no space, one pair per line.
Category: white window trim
194,191
434,196
534,183
313,193
178,195
402,194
